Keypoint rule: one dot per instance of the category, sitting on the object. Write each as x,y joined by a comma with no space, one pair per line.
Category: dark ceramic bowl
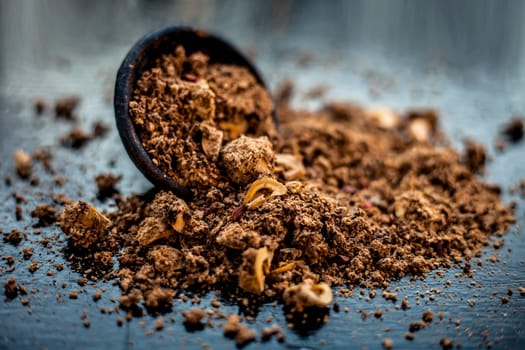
141,57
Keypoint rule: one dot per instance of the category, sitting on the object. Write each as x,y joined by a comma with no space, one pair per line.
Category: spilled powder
343,196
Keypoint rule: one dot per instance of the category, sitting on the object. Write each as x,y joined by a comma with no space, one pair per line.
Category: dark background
465,58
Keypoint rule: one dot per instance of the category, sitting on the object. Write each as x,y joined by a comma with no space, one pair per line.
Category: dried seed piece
255,266
23,163
292,167
307,294
284,268
179,224
83,223
258,192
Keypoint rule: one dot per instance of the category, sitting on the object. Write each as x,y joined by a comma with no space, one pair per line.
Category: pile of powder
347,196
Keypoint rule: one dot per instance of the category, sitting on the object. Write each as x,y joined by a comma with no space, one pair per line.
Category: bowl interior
140,58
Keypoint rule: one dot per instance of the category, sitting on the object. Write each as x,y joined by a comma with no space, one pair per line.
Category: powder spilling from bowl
347,196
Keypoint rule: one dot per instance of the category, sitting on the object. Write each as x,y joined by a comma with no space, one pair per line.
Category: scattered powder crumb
33,266
416,326
97,295
159,323
39,105
10,288
106,184
390,296
28,252
65,107
14,237
45,213
428,315
513,130
193,317
244,336
446,343
76,138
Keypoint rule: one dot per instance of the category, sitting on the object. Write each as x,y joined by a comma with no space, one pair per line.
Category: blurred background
462,34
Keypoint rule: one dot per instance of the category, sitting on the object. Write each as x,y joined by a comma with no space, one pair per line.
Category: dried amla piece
83,223
255,267
307,295
262,189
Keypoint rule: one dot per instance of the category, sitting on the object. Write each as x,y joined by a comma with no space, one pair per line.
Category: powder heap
347,196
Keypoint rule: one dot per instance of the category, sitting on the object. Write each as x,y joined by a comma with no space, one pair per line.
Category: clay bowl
141,57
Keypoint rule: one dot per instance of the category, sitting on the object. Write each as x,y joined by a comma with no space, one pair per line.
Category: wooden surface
70,48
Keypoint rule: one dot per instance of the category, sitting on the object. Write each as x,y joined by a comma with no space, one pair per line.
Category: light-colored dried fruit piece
261,190
152,229
255,267
234,130
284,268
23,163
83,223
180,223
308,294
211,141
245,159
292,167
383,117
420,130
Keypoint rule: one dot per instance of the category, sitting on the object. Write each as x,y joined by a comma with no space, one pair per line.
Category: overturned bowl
140,58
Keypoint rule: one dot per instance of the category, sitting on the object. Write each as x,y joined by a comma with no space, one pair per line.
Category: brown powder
106,184
343,196
65,107
186,109
349,196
